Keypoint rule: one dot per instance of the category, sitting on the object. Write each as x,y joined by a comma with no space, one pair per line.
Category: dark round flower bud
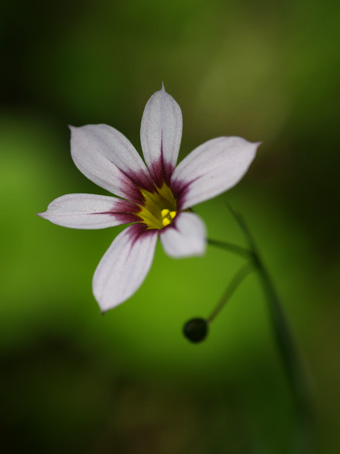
196,329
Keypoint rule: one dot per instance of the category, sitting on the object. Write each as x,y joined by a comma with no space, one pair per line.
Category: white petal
124,266
108,159
212,168
186,237
89,211
161,133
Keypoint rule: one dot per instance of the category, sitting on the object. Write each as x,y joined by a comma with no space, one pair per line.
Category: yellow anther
165,212
166,221
172,214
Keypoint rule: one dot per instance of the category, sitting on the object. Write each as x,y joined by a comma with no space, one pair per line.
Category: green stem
282,331
284,339
230,247
236,281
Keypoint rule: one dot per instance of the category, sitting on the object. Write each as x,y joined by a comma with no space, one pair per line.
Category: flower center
167,216
159,209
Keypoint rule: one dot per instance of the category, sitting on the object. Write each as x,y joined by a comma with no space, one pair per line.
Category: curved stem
230,247
236,281
282,331
284,339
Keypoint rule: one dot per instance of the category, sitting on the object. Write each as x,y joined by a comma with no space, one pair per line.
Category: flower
154,197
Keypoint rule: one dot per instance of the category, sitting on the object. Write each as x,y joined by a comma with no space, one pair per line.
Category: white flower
154,197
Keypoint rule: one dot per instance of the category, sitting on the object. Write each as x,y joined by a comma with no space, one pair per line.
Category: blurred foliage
129,382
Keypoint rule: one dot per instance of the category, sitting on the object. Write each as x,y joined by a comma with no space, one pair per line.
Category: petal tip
73,131
77,130
105,304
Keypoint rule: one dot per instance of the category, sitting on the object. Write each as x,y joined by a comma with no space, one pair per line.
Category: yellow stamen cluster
167,216
159,208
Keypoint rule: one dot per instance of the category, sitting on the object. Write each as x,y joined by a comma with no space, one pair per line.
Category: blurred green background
128,382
